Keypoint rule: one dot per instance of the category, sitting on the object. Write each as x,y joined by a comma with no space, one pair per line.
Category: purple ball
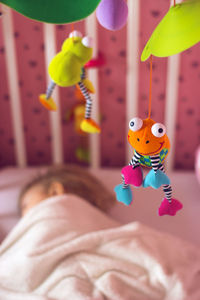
112,14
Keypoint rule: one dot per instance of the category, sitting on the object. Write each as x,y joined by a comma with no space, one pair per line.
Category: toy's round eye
87,42
75,33
158,130
135,124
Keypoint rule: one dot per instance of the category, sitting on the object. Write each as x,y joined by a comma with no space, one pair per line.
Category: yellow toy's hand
47,103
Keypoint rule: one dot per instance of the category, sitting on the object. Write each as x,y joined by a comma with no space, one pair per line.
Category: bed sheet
143,209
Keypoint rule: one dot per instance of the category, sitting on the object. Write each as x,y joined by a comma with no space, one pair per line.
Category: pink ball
112,14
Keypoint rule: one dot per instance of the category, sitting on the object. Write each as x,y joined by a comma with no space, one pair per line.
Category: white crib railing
132,86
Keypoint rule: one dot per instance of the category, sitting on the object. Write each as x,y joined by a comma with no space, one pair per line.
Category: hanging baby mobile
150,146
177,31
67,68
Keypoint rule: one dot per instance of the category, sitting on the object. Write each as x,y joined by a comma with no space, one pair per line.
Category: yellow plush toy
67,69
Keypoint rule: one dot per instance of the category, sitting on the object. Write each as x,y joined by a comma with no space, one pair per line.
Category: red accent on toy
170,209
133,176
96,62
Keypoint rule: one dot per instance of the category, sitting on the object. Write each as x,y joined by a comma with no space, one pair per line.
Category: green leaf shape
54,11
177,31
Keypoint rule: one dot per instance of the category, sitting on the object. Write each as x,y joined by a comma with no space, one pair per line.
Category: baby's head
65,180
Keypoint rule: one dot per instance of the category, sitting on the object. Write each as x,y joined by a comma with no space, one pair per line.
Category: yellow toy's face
80,46
147,137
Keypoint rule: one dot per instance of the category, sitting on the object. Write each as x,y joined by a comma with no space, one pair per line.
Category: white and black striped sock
125,186
50,89
167,189
83,75
88,107
155,159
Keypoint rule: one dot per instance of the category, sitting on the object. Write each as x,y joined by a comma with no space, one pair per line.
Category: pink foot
170,209
133,176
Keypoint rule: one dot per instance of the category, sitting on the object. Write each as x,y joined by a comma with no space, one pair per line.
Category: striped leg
155,160
83,75
125,186
85,93
167,189
50,89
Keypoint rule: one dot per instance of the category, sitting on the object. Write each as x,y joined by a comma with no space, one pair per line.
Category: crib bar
94,140
171,105
132,67
12,72
172,102
56,132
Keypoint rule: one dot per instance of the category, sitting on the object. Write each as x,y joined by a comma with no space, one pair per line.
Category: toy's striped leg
83,75
169,206
88,99
50,89
155,161
46,99
125,186
167,188
88,125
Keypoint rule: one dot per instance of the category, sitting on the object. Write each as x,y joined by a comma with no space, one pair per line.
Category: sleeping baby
66,247
59,180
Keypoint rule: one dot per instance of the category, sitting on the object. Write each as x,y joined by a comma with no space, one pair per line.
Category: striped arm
155,160
85,93
135,160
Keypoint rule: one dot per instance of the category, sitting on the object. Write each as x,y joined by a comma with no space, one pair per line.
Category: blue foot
123,195
155,180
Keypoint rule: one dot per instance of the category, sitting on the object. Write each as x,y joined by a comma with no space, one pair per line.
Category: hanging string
150,86
72,29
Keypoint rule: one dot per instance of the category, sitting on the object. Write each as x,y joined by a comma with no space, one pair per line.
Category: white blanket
68,250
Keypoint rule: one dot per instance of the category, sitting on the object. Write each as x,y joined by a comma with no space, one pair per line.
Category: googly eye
158,130
75,33
87,42
135,124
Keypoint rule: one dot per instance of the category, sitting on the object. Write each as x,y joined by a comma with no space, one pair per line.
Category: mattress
143,209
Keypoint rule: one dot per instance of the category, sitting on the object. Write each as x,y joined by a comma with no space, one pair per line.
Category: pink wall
6,131
31,67
112,80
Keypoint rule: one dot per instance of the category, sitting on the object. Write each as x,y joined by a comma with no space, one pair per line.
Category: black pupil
132,124
160,130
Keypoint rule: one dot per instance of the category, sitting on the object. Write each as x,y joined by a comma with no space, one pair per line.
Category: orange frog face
147,137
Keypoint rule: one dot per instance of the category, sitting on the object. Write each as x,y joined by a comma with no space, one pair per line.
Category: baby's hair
75,180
